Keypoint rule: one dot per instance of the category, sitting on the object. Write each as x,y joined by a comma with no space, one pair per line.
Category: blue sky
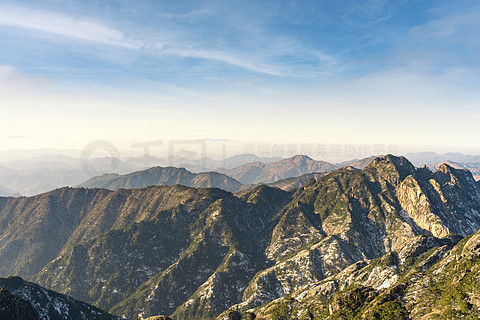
330,72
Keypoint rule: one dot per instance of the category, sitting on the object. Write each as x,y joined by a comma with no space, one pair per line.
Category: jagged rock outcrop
370,213
437,279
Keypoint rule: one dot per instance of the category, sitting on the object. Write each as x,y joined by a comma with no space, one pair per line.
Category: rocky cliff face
193,253
429,278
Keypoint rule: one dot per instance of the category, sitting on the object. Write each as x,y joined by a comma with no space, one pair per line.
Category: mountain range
206,163
43,173
285,174
258,172
199,253
425,158
163,176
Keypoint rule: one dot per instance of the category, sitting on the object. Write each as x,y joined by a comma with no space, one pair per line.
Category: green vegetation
391,310
282,310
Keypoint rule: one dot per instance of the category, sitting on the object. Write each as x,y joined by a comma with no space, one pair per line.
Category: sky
288,76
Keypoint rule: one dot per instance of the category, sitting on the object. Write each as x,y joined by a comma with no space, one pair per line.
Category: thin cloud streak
221,57
367,13
89,30
65,25
457,28
95,31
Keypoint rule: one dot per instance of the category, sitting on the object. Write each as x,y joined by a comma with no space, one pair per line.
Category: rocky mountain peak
300,158
446,174
445,168
400,164
390,168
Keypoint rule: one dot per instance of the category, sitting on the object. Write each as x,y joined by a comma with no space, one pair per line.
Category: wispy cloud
87,29
221,56
63,24
260,60
446,46
456,28
367,12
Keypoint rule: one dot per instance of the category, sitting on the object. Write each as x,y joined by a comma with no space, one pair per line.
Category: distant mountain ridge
163,176
357,163
203,164
258,172
286,174
425,158
270,171
6,192
43,173
294,167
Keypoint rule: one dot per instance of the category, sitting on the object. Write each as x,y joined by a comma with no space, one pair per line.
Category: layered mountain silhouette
158,176
193,253
426,158
258,172
35,172
285,174
42,173
226,179
202,164
6,192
